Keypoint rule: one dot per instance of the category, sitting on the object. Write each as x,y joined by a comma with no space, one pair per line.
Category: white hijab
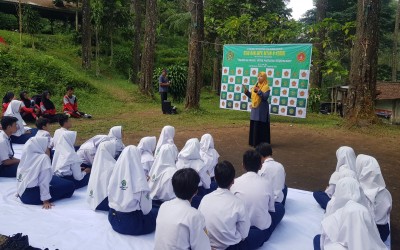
208,153
116,134
189,157
65,154
94,142
370,176
166,137
127,181
33,161
352,226
345,156
13,109
347,189
102,168
147,145
161,174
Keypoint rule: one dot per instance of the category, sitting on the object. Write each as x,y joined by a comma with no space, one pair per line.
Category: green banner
288,70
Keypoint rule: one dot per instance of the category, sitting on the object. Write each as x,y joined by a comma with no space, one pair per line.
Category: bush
177,74
123,59
8,22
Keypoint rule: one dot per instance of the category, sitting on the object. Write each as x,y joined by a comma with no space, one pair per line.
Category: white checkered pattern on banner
301,112
225,71
254,72
302,93
292,102
236,105
294,83
239,71
249,107
282,110
238,88
304,74
269,72
224,87
244,98
275,100
286,73
246,80
230,96
231,79
276,82
285,92
222,104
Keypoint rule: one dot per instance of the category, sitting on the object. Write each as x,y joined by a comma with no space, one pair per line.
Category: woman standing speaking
259,117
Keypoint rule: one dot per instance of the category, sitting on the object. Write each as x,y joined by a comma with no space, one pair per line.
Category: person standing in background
163,88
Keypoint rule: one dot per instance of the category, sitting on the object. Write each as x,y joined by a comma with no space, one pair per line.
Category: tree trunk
321,5
195,77
147,64
137,10
364,62
20,21
77,16
111,49
217,66
97,50
86,35
395,41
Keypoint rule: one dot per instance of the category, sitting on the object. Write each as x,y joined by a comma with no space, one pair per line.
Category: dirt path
309,156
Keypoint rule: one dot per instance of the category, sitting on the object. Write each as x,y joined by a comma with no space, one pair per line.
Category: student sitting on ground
128,196
161,173
226,217
147,145
189,157
22,134
88,149
36,184
374,187
66,162
257,193
208,154
43,124
70,106
47,108
65,125
8,97
116,136
349,224
273,171
30,110
103,166
167,137
8,163
344,155
180,226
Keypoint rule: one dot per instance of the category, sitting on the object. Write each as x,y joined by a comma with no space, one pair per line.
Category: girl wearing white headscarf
350,227
102,168
345,156
146,146
347,189
87,150
189,157
128,196
161,173
21,135
167,137
374,188
116,135
66,162
208,153
35,181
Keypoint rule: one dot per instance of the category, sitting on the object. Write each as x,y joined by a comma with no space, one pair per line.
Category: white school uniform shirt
102,168
87,150
128,190
161,173
13,110
351,227
46,134
34,168
227,221
180,226
374,187
147,145
258,195
57,136
6,152
66,161
275,174
208,153
116,135
189,157
167,137
345,156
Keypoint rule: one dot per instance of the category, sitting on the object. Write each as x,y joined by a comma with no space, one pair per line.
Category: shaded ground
309,156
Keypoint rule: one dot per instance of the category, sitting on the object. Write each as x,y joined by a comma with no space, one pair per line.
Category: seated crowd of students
189,198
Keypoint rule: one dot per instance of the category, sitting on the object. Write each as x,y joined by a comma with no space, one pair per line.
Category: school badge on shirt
19,179
91,194
123,185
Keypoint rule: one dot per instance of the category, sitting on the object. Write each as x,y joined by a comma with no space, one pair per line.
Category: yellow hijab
263,86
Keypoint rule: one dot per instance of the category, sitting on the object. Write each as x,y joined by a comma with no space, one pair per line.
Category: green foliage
314,99
123,59
8,22
177,74
31,21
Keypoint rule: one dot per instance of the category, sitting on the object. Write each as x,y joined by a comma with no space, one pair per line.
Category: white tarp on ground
70,224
